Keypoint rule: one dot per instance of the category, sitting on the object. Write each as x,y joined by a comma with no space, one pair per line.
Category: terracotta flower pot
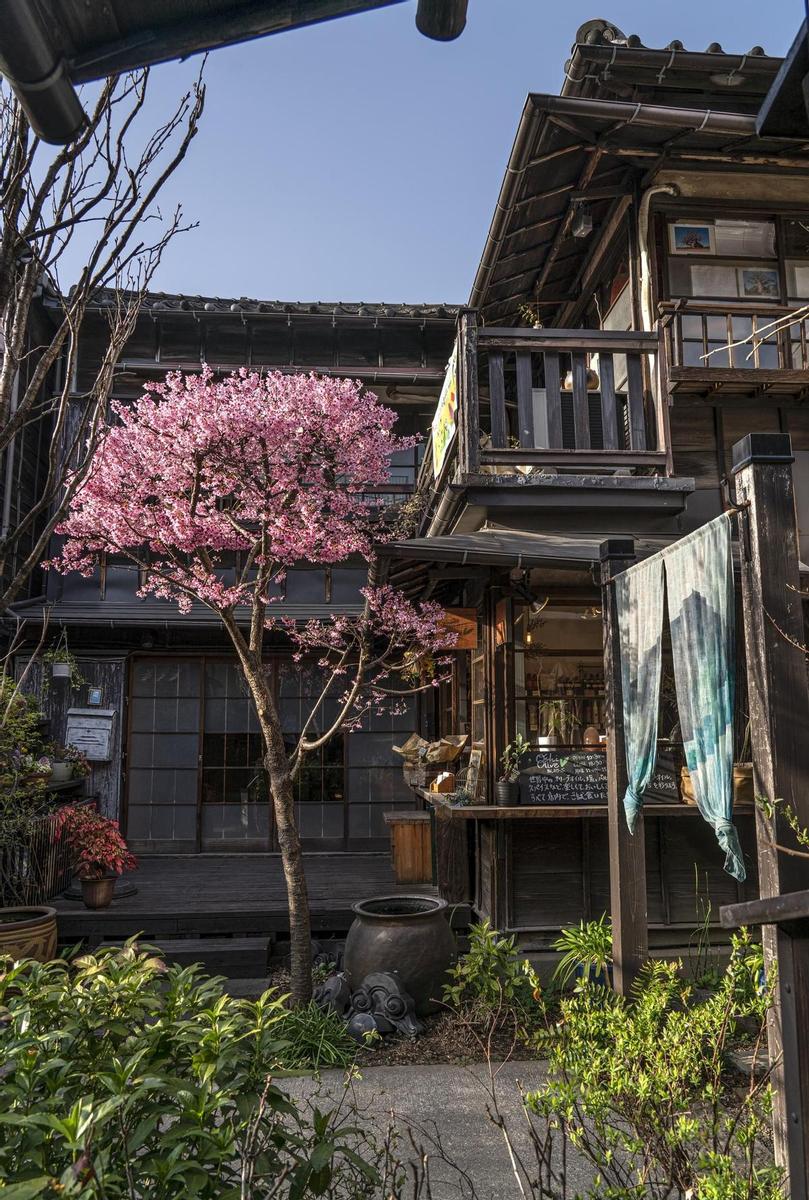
28,932
97,893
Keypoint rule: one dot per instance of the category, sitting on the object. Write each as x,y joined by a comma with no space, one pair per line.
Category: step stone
235,958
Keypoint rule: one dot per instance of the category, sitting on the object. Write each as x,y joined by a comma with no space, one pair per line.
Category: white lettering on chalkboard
579,777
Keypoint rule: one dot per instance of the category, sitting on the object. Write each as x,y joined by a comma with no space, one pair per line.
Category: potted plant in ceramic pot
508,785
100,851
67,762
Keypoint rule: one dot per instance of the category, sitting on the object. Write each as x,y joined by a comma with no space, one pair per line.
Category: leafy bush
492,985
585,948
123,1078
641,1089
316,1038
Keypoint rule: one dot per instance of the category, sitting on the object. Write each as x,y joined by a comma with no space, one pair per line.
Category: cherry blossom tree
267,471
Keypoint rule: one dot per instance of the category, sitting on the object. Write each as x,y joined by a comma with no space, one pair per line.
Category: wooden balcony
727,348
544,402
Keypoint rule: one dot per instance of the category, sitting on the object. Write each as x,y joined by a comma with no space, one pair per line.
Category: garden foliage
123,1077
642,1089
491,985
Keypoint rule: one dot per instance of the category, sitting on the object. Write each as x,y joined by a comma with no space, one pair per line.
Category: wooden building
182,769
625,329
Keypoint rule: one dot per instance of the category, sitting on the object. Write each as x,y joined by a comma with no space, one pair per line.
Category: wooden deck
210,894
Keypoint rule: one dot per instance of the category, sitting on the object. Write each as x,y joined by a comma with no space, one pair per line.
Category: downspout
647,316
38,75
669,189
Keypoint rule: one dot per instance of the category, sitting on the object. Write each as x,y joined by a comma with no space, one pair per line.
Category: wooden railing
713,338
37,866
569,399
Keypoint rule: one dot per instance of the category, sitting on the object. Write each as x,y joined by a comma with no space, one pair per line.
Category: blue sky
357,160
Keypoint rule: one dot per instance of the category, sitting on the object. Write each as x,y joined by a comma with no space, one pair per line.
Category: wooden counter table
534,868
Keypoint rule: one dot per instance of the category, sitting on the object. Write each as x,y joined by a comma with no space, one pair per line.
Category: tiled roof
179,302
601,32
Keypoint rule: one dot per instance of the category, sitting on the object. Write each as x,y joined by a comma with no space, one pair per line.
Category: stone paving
455,1099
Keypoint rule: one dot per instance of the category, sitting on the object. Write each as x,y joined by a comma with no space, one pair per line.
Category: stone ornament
379,1005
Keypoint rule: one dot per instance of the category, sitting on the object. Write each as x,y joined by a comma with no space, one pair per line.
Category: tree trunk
282,791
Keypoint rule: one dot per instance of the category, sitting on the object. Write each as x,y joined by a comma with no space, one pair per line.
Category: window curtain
699,586
639,597
699,581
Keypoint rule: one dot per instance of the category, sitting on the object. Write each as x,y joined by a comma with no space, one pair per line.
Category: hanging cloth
699,583
639,602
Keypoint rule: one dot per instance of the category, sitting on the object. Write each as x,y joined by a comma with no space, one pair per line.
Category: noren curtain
699,581
699,588
639,600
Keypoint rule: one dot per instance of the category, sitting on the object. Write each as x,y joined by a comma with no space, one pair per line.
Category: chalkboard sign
580,777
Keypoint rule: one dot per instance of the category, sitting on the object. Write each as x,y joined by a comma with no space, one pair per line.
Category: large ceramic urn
28,932
406,934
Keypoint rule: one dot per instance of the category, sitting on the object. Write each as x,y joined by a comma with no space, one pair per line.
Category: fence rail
570,399
38,866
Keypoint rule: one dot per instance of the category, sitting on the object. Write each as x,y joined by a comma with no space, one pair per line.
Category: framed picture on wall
760,283
691,239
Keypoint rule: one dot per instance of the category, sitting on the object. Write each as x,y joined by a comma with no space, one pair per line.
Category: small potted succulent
100,851
508,785
67,762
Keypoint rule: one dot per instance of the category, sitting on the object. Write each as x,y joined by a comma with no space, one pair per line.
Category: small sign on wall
90,730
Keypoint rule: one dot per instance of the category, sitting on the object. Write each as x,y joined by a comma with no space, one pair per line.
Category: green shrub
492,985
641,1089
122,1078
586,947
316,1039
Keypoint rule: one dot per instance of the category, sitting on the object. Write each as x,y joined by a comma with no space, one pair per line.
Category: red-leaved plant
96,842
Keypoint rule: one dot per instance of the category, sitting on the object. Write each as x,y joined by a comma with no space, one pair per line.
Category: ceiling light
582,224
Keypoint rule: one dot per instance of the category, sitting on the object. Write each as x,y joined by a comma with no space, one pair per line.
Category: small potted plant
100,851
63,665
557,717
67,762
508,785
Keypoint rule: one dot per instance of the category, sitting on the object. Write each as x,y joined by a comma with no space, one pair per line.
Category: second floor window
724,258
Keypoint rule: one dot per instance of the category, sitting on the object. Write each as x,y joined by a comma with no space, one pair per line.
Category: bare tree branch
100,191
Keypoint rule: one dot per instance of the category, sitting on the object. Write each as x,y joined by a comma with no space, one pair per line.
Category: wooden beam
587,174
778,700
630,934
467,383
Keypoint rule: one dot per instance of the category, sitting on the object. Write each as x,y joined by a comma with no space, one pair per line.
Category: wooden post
630,935
467,382
778,699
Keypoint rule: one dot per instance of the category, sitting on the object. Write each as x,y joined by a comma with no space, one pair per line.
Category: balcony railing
564,400
730,344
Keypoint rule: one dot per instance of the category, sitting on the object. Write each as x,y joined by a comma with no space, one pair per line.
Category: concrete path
453,1099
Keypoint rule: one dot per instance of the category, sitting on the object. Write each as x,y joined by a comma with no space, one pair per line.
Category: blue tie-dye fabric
699,587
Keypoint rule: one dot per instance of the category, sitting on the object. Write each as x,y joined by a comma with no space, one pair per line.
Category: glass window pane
692,327
745,239
719,354
798,280
713,279
796,237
